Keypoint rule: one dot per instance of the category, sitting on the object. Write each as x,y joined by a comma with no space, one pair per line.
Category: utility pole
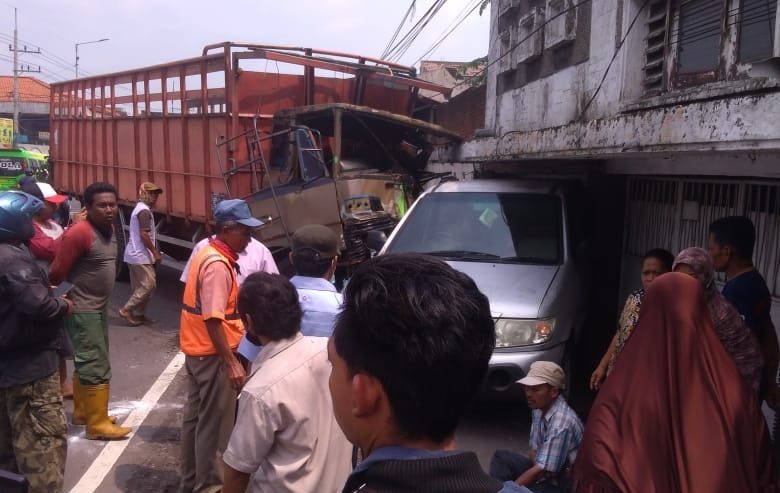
18,70
16,83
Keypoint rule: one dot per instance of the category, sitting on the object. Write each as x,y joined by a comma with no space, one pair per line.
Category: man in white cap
556,434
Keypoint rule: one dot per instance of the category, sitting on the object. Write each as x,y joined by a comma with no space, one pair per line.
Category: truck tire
122,272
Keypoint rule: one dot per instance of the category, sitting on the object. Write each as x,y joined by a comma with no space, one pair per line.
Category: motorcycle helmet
16,212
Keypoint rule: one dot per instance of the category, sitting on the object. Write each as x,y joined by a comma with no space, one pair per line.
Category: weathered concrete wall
560,98
548,119
744,123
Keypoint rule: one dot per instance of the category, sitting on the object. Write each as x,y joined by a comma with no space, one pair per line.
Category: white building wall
557,100
546,119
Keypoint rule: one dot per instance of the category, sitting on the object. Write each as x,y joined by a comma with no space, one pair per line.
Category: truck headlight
511,332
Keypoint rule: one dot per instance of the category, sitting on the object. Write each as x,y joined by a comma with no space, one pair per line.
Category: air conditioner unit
505,44
529,36
562,25
507,6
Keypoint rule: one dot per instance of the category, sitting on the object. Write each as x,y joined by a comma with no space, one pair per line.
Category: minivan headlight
511,332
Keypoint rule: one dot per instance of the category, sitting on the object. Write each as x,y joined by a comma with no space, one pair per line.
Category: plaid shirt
556,437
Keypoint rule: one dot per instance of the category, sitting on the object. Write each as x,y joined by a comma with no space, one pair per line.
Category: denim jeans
508,466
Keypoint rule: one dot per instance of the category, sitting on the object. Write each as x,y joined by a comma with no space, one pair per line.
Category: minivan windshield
484,227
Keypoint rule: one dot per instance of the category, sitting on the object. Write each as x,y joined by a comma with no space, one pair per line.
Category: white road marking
111,452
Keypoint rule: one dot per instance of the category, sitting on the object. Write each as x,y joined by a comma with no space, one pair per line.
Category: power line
398,30
54,75
614,56
400,48
64,60
416,33
48,55
464,14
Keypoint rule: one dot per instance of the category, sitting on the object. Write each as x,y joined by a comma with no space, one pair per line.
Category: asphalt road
149,460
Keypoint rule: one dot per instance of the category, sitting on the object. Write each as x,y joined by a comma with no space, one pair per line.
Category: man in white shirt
141,255
286,438
256,258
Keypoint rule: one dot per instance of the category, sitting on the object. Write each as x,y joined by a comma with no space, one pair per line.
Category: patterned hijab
734,334
700,261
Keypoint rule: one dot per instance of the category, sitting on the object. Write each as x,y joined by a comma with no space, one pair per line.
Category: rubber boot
99,426
79,415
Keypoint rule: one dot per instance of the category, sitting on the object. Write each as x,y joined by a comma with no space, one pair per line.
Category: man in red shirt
87,259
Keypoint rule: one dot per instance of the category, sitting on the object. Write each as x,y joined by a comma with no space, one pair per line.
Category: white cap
50,195
542,372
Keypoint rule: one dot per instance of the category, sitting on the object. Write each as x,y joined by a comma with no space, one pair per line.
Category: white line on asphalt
111,452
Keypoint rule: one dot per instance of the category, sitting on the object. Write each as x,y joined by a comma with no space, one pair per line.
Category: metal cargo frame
161,123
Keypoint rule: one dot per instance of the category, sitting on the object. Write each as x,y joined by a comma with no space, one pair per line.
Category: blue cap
236,210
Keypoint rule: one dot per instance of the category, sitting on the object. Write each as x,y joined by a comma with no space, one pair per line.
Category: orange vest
194,337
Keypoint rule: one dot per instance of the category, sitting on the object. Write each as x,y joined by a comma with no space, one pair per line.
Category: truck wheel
122,272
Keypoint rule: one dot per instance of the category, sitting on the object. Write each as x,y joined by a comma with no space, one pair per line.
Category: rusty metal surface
402,120
318,203
161,123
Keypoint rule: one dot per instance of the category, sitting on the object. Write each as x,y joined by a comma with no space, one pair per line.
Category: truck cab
352,168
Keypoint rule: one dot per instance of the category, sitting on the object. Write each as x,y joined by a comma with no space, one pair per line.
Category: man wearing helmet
32,420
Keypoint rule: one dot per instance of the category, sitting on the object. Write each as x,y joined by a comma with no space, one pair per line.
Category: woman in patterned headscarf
654,263
728,323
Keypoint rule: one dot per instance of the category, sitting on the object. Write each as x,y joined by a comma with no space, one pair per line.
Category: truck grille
356,228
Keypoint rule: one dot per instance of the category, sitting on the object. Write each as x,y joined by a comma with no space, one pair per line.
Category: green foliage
480,77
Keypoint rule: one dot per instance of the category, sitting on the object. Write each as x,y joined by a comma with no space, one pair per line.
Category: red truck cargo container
202,128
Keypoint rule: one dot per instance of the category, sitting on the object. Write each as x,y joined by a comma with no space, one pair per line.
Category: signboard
10,166
44,136
6,133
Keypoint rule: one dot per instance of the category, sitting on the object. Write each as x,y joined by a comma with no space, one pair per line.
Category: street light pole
77,51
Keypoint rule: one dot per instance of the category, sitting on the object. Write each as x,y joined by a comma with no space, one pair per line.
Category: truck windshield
485,227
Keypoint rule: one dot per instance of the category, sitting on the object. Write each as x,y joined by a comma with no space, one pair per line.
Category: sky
148,32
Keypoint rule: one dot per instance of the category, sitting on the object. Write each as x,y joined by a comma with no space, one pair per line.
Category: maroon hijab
675,415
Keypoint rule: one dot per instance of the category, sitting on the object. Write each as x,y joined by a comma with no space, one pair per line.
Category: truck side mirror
375,240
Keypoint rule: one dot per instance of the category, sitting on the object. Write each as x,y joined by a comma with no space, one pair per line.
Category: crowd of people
294,387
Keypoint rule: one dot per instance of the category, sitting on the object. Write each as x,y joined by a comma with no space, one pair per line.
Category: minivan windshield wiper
463,255
527,260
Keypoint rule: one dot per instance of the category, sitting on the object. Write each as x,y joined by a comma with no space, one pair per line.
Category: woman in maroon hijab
676,416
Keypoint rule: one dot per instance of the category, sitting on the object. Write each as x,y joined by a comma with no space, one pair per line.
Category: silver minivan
514,239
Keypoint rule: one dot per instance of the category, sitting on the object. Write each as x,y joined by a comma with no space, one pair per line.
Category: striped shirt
556,436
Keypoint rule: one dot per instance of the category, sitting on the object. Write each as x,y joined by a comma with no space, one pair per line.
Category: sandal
131,320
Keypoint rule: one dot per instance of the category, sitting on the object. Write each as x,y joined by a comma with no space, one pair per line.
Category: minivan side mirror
375,240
